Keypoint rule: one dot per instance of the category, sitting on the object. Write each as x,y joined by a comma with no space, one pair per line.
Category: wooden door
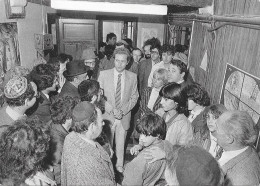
76,35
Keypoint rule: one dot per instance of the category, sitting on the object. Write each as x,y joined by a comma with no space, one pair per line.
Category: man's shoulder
129,73
108,71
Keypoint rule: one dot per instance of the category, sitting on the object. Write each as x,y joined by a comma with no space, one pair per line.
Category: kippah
15,87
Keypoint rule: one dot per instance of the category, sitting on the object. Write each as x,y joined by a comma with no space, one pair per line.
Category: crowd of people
67,122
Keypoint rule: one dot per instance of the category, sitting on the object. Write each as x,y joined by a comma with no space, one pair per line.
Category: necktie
118,92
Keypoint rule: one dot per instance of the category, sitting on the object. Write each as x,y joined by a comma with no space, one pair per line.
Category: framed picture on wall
15,8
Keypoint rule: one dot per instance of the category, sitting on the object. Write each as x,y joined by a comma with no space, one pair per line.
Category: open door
76,35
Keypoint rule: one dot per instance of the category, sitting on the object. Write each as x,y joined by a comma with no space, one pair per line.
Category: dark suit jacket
144,71
145,99
69,90
58,134
201,130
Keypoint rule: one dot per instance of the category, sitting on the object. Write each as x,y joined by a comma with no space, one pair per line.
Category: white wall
27,27
142,35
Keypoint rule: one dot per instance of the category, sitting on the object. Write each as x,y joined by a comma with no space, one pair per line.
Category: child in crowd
152,131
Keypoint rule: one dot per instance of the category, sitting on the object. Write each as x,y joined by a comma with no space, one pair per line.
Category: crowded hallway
133,110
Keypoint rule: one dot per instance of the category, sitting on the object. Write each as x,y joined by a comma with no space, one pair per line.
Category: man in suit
236,133
145,67
120,89
43,76
76,71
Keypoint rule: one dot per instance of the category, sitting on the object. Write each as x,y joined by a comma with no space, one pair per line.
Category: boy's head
122,57
178,71
167,53
214,111
111,39
89,90
152,128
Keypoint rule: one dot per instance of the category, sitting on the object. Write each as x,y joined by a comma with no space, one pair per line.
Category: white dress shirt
153,97
213,145
13,114
194,114
228,155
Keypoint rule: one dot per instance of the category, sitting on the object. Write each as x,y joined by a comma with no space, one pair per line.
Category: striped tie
118,92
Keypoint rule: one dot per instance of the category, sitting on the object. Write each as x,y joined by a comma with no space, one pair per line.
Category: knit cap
15,87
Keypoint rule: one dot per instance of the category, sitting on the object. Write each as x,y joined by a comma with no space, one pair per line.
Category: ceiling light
109,7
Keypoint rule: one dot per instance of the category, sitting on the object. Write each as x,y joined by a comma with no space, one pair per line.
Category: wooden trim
41,2
194,3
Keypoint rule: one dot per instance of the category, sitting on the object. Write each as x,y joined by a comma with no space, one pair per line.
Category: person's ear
93,99
182,75
229,139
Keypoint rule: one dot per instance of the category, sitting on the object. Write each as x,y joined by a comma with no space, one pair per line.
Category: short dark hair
110,36
43,76
182,67
173,91
109,50
167,48
87,89
23,144
154,42
198,94
28,94
62,108
62,57
178,48
152,124
123,51
82,126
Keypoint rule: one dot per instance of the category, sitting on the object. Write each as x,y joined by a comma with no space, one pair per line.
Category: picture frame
14,12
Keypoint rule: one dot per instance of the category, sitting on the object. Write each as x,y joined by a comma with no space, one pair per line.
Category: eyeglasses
154,52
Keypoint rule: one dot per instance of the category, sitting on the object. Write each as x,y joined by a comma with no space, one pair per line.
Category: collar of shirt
228,155
46,95
181,81
197,112
13,114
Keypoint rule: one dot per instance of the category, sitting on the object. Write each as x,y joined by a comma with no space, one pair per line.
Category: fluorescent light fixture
109,7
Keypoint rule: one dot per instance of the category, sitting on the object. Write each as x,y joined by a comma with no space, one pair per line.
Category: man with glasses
167,54
20,94
145,66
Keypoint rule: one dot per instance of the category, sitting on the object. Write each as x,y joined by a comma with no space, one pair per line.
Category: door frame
102,18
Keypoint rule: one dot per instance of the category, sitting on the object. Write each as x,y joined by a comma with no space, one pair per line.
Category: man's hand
118,114
135,149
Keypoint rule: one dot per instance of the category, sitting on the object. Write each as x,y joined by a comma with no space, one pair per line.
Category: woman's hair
162,73
28,94
153,125
173,91
62,108
198,94
43,76
23,147
216,110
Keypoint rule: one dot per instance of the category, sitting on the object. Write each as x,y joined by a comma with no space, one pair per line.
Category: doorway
123,27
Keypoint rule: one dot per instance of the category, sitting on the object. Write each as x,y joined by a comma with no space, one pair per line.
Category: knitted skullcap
15,87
